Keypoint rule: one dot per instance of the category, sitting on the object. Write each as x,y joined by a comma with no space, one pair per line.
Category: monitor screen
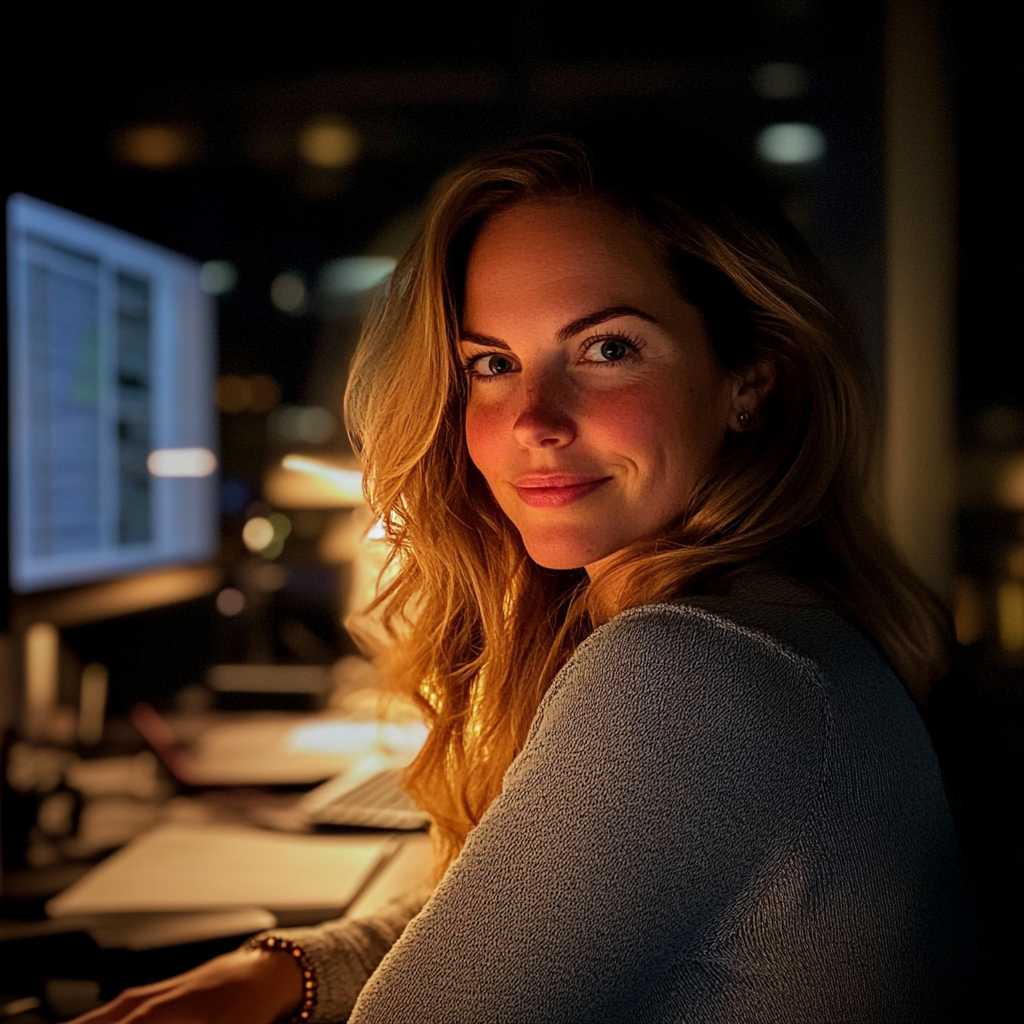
112,417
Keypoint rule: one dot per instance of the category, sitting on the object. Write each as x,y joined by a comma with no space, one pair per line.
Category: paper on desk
179,867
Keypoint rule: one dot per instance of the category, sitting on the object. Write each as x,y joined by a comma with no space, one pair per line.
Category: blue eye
613,350
609,350
496,365
486,366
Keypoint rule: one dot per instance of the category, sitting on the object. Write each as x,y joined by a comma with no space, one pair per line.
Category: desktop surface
106,948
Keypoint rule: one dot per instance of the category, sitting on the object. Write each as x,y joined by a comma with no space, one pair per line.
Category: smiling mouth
556,490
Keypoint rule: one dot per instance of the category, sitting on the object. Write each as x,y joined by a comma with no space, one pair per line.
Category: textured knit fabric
345,953
725,811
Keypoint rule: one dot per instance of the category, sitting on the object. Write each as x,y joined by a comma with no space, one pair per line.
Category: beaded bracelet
305,1011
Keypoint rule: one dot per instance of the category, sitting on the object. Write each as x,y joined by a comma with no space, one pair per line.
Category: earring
744,417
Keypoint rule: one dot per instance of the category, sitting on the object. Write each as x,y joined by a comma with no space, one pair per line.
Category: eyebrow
571,329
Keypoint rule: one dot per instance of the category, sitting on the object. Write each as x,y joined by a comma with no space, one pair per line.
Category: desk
35,953
34,950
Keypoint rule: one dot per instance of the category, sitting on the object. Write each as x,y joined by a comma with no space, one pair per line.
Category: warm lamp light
304,482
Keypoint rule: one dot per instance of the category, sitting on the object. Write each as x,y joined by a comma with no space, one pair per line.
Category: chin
550,561
565,555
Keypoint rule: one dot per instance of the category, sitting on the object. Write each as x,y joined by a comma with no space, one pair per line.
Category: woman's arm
664,765
346,952
259,986
247,986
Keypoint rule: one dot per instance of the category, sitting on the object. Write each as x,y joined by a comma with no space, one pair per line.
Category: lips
555,490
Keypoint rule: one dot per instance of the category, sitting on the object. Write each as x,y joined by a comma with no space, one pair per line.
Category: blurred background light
265,535
230,602
258,533
781,80
181,462
302,482
329,143
218,277
354,274
401,738
312,424
791,143
288,293
347,484
155,146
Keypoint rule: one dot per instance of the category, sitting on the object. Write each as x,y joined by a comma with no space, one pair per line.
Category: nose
545,418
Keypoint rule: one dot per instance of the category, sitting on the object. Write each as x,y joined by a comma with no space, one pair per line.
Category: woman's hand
247,986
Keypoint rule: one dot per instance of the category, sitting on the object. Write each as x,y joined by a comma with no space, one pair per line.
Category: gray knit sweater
725,811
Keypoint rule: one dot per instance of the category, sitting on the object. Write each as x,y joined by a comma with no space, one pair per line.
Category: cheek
484,433
672,428
631,420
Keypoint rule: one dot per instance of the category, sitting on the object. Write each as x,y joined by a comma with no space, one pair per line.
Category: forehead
561,257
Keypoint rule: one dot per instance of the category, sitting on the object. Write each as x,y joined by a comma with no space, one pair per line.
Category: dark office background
419,88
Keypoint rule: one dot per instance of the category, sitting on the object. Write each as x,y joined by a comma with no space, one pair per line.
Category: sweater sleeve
344,953
673,757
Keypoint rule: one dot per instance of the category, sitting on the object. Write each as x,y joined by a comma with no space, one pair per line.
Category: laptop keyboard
375,803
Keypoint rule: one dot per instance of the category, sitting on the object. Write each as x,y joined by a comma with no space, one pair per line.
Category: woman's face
595,400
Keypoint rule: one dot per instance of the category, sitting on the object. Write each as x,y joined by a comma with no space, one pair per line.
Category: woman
670,663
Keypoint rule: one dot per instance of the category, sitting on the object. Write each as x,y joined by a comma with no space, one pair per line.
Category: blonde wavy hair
478,629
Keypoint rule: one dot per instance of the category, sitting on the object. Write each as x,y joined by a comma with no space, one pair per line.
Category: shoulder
677,628
670,712
667,678
768,627
643,650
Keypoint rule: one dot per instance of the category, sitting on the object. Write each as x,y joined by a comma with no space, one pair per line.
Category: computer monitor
112,417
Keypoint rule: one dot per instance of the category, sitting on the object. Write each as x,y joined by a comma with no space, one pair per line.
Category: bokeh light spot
329,143
218,277
288,292
258,533
230,602
791,144
154,146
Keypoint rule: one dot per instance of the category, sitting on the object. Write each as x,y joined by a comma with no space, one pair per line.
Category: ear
750,387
